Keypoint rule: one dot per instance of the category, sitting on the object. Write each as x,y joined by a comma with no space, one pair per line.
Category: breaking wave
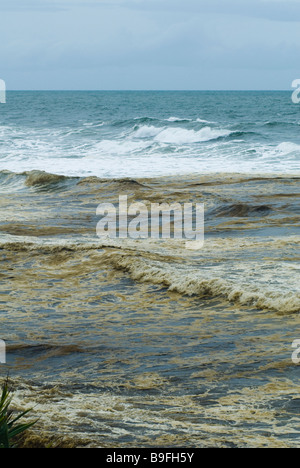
190,283
180,136
35,178
154,266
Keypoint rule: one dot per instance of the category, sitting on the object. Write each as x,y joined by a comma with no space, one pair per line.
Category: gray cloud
33,5
131,42
277,10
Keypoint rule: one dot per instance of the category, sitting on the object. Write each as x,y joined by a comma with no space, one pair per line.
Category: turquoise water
120,134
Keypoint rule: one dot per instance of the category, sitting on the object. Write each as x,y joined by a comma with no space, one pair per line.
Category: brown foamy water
143,343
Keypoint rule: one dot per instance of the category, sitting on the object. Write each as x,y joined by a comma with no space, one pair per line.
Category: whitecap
204,121
178,119
288,148
147,131
181,136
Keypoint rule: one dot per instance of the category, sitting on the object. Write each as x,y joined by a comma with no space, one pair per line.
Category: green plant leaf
8,427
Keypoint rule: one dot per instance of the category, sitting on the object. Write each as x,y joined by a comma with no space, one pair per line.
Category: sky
149,44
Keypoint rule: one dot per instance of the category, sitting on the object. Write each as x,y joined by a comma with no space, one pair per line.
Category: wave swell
190,283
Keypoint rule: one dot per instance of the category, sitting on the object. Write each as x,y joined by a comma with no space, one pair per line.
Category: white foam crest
186,119
196,282
147,131
178,119
203,121
181,136
116,147
287,148
93,124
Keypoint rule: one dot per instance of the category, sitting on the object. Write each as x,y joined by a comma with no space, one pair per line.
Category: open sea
142,342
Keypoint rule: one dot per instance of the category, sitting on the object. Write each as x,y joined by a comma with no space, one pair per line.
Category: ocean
122,342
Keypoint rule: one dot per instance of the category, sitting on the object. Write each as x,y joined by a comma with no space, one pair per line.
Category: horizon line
150,90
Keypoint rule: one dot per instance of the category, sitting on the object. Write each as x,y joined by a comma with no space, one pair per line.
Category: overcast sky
149,44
